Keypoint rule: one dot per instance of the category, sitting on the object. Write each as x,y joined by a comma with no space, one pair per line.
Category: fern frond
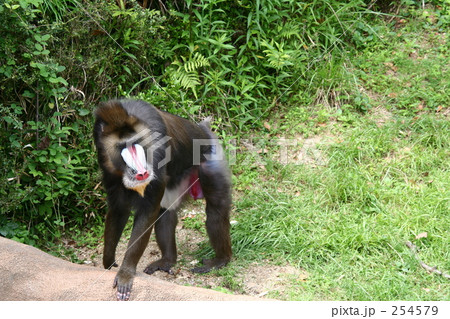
187,80
195,62
289,29
186,74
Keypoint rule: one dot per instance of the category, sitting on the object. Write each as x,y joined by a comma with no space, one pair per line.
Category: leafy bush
237,60
39,161
257,55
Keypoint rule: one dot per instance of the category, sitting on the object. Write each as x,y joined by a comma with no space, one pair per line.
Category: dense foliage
238,60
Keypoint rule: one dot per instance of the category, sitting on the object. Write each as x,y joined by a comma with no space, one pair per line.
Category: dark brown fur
119,122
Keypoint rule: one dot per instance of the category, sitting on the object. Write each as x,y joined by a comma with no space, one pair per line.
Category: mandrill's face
136,176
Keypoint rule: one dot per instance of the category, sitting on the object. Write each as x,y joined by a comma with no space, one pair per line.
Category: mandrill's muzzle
134,157
142,176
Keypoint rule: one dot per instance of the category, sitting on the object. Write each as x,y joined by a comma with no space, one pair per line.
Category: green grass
346,222
412,75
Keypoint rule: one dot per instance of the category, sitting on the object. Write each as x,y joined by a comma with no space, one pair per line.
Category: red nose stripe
141,171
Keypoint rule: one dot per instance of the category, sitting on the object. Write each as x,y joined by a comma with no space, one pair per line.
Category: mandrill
151,161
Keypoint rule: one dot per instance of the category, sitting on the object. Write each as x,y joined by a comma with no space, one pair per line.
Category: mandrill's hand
123,282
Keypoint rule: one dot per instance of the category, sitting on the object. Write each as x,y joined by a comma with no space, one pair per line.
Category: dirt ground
258,279
53,279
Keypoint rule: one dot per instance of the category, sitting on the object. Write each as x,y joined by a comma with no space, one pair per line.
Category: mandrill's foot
114,264
109,262
162,264
123,282
209,264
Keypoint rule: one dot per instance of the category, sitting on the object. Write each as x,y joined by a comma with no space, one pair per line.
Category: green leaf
83,112
127,69
44,73
58,80
28,94
8,119
15,144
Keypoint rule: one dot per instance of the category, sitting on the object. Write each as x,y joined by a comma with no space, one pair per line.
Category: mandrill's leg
140,235
165,237
116,219
215,181
145,216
